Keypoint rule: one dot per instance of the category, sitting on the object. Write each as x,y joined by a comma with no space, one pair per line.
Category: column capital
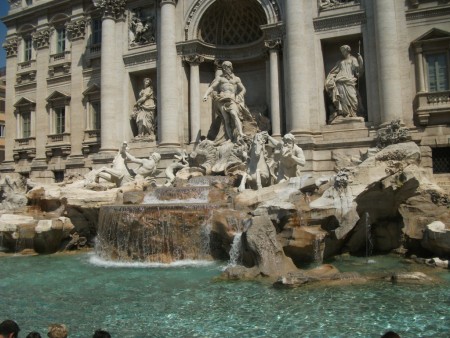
111,8
273,44
168,2
41,38
11,46
194,59
76,29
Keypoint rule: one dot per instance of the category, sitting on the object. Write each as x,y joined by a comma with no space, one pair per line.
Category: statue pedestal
346,120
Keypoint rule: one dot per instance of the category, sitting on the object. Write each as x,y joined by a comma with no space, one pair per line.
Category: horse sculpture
258,173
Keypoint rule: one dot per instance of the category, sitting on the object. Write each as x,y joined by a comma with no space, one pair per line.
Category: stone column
112,9
168,105
296,70
275,112
76,30
11,47
389,81
418,51
194,96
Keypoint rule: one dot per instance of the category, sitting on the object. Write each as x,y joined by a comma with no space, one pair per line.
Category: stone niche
331,55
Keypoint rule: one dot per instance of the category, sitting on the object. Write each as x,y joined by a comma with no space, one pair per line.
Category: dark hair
101,334
390,334
9,326
34,334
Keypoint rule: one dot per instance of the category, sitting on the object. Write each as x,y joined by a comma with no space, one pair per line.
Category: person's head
345,50
9,329
155,157
390,334
147,82
57,331
289,139
101,334
227,67
34,334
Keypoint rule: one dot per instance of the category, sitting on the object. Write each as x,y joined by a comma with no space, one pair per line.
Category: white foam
152,200
98,261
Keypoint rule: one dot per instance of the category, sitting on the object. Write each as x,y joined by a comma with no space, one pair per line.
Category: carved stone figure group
144,111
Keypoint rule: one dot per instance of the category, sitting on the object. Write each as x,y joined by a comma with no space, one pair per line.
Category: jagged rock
436,238
437,262
263,250
51,233
133,197
12,192
408,277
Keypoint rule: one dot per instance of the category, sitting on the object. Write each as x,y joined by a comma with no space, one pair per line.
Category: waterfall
164,233
317,252
369,243
236,249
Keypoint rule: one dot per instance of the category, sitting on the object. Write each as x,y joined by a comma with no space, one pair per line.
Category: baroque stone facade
75,70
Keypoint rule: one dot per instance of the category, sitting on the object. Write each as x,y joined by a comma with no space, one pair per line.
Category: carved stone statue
120,174
341,83
258,173
144,111
228,93
288,157
142,30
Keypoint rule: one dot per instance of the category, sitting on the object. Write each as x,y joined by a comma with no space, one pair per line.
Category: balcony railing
58,138
26,142
60,57
433,106
26,65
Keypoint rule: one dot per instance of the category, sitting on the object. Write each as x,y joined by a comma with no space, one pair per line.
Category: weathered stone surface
51,233
409,277
436,238
12,192
263,250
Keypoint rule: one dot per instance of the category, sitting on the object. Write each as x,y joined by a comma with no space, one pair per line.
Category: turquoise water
186,301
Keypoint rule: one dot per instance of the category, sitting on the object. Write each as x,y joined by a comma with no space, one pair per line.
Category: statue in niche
288,157
341,85
228,92
142,28
144,112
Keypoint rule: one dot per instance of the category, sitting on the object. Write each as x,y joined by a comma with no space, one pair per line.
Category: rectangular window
29,2
59,176
60,40
26,125
96,31
27,49
441,160
2,130
437,72
96,113
60,120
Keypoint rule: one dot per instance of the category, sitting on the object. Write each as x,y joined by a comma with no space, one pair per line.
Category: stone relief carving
11,46
228,92
142,29
41,38
112,8
76,29
341,85
327,4
15,3
393,133
144,112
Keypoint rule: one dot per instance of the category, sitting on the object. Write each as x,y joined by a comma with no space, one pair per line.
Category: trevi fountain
232,239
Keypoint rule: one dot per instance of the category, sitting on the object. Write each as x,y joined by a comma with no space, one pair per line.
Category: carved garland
112,8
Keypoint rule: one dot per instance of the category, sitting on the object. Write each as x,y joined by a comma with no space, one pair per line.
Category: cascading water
369,243
236,250
164,233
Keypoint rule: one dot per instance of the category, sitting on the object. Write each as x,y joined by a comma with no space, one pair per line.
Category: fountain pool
144,300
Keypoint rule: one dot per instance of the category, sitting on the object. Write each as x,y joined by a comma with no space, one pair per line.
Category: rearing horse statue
258,173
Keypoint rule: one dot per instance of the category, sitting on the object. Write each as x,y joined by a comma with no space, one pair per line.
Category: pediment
432,35
57,95
92,89
23,101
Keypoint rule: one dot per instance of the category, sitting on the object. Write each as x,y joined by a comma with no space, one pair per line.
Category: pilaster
275,111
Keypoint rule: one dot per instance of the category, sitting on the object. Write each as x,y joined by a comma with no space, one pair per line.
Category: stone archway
198,9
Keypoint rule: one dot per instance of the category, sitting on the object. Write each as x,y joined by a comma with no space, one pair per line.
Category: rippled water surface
186,301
